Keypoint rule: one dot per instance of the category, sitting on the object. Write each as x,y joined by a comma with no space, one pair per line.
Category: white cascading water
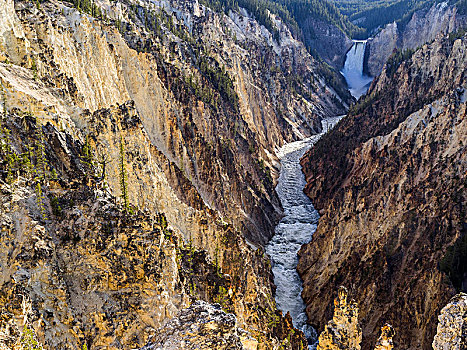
353,69
295,229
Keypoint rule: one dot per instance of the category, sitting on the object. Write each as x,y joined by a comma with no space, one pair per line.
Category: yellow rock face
343,331
385,340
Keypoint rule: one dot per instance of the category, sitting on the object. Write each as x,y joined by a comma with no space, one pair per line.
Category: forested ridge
292,12
371,15
358,19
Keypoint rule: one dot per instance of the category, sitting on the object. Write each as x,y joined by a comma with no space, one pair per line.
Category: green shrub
28,340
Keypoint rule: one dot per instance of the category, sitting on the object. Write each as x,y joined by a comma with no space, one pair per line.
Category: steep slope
421,26
197,81
318,23
137,166
324,29
389,181
80,266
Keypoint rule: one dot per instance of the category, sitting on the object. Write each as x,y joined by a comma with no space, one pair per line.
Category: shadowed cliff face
328,41
390,183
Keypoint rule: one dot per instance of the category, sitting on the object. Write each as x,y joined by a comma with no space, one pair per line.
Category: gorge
397,156
295,229
184,174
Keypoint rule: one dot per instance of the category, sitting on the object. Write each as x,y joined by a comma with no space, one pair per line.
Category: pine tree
34,68
41,161
28,340
40,201
123,177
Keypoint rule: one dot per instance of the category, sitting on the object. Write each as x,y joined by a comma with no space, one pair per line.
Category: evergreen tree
123,177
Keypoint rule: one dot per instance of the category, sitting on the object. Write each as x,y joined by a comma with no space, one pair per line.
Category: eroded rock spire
343,331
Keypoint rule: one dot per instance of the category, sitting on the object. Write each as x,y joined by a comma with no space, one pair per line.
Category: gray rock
201,326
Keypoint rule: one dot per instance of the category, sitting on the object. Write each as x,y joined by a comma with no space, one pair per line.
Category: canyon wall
327,40
191,96
389,181
138,167
423,26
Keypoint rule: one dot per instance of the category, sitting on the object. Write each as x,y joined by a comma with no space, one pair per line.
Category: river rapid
295,229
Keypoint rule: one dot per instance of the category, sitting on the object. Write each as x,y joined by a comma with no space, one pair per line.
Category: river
295,229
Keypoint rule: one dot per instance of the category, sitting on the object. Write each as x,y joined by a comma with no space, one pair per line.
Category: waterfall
357,81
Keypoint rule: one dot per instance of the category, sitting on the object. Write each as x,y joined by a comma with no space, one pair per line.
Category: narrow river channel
295,229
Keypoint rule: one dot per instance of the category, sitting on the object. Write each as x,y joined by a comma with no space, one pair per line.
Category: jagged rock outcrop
389,181
202,326
452,327
385,339
423,26
343,331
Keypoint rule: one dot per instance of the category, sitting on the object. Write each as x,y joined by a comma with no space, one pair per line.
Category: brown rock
391,179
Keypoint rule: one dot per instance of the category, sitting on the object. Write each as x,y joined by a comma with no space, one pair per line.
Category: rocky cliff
94,269
389,181
343,332
423,26
183,73
137,167
452,327
327,40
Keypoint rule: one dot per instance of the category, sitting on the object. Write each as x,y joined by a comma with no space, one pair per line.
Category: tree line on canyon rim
358,19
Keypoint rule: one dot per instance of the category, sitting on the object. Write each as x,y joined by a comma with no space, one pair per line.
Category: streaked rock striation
424,26
389,181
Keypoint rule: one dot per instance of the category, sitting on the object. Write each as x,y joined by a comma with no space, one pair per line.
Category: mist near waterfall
357,81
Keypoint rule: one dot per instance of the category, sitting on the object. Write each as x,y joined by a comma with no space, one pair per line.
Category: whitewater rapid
357,81
295,229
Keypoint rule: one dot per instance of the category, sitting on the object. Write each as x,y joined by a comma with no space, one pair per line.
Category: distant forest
356,18
370,15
